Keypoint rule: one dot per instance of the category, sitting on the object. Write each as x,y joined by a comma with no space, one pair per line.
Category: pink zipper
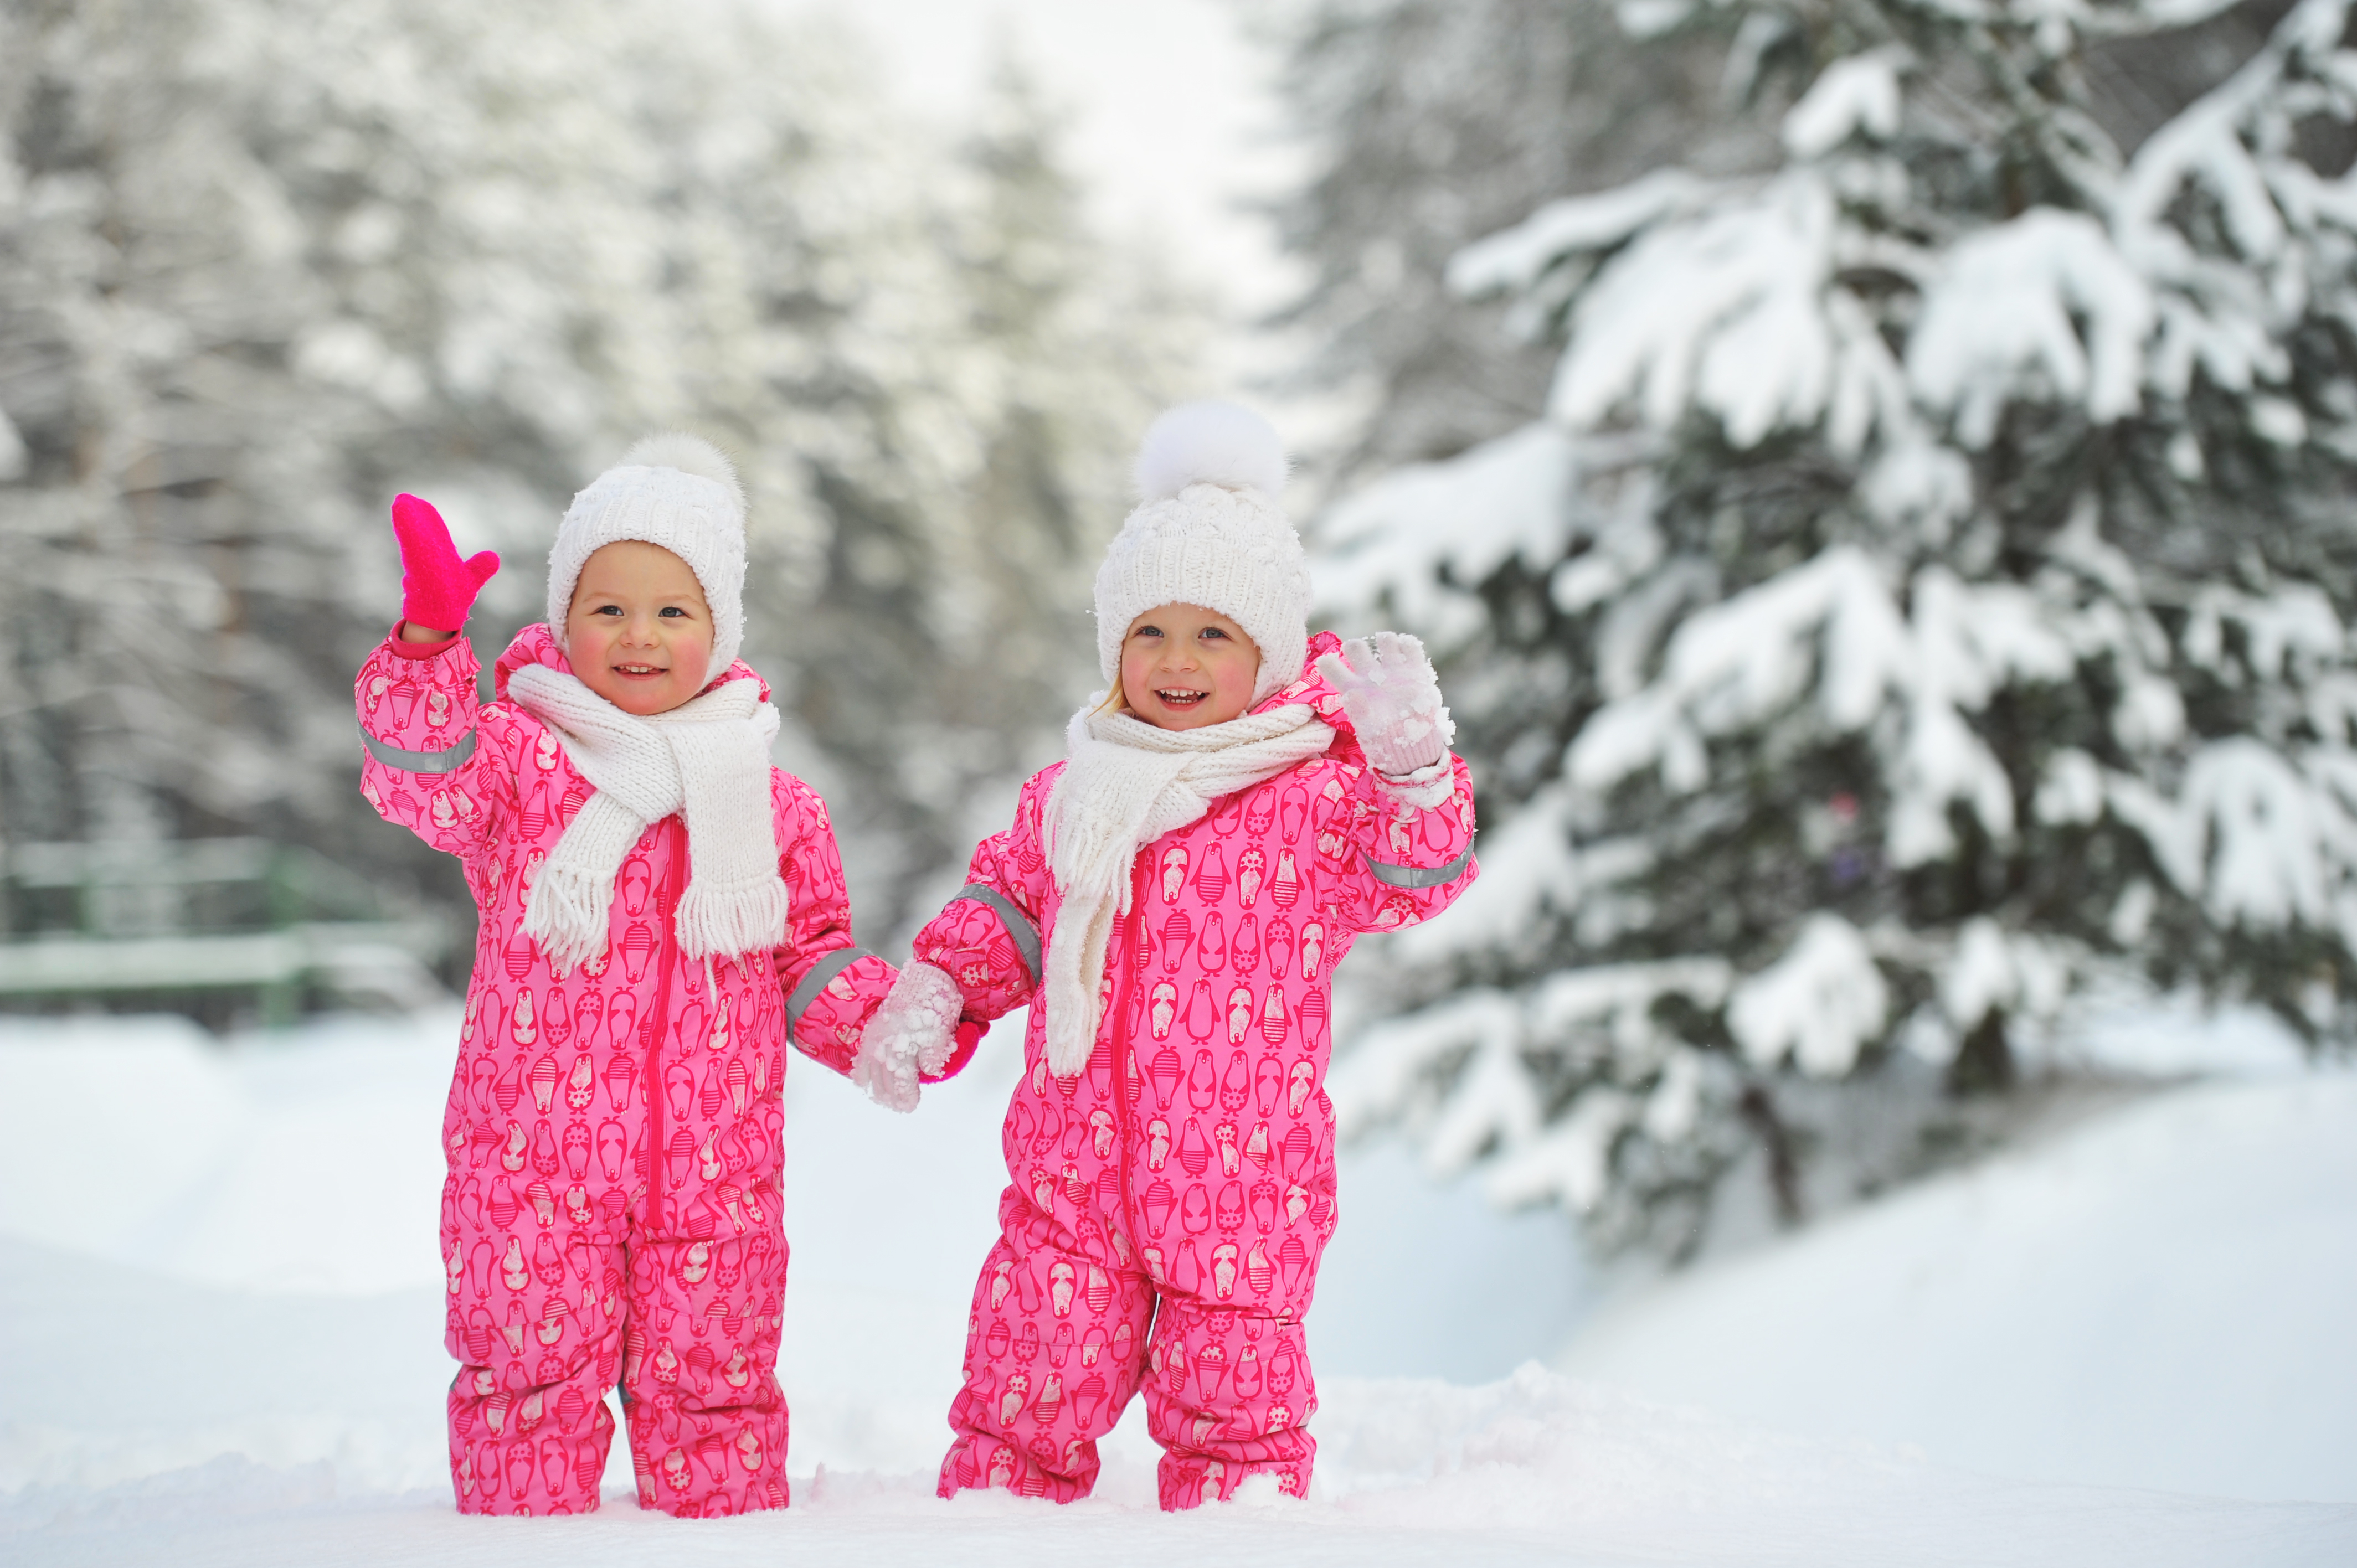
1125,1055
667,954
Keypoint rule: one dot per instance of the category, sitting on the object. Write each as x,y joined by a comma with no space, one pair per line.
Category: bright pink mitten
437,589
1394,699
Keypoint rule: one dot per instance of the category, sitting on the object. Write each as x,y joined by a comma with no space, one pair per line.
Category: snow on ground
197,1364
2160,1298
1533,1468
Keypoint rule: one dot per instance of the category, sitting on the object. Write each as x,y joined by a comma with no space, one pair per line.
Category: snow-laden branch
1739,301
1515,259
1836,624
1821,1002
1490,1105
2263,838
1721,312
2043,300
1396,548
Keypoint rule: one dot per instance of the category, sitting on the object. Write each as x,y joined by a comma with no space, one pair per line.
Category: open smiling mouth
640,672
1174,699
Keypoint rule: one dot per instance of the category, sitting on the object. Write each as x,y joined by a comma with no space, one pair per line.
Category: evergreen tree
1432,123
1925,603
162,475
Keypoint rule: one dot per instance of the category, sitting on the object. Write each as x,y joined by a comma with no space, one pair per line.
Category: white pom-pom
689,455
1210,442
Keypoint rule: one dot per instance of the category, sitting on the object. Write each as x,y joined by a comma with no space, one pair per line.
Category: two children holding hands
663,911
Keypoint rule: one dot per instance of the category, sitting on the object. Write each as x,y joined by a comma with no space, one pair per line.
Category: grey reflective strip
1420,876
821,972
1026,934
448,761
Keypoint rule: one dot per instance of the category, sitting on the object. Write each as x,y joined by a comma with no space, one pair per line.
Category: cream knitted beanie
677,491
1208,531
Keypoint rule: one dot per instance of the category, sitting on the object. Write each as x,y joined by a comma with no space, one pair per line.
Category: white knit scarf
707,759
1125,784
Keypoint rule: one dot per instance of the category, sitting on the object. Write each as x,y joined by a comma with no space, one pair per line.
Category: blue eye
671,610
1214,631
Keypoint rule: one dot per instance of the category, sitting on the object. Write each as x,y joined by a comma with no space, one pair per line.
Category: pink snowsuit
612,1205
1169,1206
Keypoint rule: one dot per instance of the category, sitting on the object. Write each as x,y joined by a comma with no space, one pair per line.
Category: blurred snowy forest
1895,581
1875,473
264,263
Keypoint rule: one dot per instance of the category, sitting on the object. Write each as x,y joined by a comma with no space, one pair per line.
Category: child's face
639,633
1184,667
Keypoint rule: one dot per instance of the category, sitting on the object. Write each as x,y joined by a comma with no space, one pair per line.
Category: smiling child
1171,901
661,912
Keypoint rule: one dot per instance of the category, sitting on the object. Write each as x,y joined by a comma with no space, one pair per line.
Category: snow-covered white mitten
1394,699
912,1031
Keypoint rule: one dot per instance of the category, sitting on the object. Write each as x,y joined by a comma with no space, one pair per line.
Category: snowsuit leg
708,1422
534,1317
1055,1347
1228,1392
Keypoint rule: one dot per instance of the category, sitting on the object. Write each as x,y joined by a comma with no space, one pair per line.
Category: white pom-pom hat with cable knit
1208,531
677,491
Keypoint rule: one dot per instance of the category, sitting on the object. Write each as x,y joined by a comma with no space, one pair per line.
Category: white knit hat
1208,531
677,491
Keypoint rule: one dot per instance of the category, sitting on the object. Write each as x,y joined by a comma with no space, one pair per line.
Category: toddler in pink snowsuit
1172,901
661,910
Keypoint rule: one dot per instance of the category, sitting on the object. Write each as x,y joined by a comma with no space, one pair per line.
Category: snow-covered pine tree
1429,124
1928,599
163,480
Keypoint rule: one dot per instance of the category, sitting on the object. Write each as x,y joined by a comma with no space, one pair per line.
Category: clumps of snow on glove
1392,697
913,1032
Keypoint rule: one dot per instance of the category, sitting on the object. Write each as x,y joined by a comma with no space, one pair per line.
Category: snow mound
2157,1298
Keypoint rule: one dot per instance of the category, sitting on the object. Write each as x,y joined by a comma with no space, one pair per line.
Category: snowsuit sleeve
433,764
830,985
1388,862
989,937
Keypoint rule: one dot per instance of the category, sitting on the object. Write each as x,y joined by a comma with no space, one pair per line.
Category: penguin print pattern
1167,1206
611,1212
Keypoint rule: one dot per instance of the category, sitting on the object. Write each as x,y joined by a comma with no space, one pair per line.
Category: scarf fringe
732,917
568,905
